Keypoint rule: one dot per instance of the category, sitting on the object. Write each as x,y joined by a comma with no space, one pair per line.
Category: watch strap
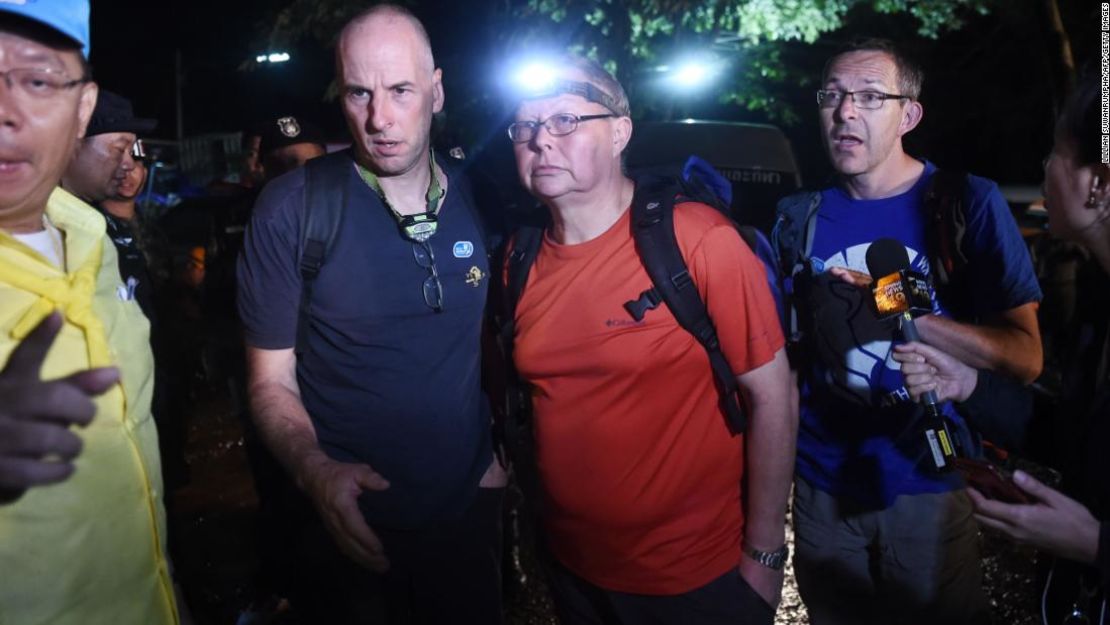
775,560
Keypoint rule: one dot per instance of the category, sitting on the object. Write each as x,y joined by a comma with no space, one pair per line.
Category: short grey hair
910,75
599,77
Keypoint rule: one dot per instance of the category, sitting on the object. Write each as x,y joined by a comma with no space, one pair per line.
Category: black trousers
727,600
448,573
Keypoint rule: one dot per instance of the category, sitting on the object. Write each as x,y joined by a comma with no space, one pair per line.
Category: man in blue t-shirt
379,416
881,536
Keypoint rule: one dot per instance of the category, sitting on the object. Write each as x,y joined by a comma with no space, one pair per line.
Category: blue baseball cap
68,17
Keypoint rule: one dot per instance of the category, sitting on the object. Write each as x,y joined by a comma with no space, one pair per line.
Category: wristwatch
771,559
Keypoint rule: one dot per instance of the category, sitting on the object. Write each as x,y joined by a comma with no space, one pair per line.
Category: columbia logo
621,323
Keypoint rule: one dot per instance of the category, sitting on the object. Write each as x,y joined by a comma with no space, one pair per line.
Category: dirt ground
212,536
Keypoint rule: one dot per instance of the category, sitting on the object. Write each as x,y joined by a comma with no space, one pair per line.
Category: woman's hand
927,368
1054,522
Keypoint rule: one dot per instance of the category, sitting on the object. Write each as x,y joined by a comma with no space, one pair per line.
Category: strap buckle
648,300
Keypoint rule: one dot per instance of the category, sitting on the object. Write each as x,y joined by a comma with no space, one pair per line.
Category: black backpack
945,203
653,205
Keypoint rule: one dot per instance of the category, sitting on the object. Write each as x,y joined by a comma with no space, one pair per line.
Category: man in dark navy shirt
380,418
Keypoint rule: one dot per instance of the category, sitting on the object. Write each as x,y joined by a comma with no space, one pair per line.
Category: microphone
900,292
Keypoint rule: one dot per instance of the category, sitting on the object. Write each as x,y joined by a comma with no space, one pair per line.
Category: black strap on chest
526,245
325,197
945,202
653,208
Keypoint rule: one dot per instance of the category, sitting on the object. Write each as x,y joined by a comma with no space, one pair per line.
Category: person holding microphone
1075,527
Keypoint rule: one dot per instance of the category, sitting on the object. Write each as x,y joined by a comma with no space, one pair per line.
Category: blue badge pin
463,249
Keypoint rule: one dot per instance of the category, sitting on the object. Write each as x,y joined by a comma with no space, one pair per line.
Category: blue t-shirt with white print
859,436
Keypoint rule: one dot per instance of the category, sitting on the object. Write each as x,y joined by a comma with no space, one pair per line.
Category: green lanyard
421,226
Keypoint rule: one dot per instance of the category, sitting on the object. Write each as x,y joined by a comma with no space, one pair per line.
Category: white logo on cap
287,125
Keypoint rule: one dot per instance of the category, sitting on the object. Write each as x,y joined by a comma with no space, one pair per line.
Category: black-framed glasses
558,125
869,100
432,287
38,83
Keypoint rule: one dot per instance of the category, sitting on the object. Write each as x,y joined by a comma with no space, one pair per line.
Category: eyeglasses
869,100
433,289
558,125
38,83
138,150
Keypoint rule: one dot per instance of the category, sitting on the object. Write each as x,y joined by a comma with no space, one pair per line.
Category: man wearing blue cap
82,531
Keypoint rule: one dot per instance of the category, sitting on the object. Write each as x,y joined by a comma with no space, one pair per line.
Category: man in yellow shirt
82,527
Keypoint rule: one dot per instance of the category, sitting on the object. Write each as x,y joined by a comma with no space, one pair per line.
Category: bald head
387,18
390,89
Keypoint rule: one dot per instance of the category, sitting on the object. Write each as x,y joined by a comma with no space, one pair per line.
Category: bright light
273,57
692,74
534,77
689,73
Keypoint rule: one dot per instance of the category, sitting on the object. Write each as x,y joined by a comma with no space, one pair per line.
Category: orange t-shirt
640,472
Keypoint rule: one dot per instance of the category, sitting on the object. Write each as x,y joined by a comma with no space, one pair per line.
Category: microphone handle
909,332
937,435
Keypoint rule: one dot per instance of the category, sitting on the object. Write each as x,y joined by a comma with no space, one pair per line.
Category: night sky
134,45
989,95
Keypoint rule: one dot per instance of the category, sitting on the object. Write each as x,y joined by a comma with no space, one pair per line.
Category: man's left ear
912,113
85,106
437,90
622,134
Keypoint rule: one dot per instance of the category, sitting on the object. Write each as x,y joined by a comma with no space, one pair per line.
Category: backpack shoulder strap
524,245
325,194
945,203
792,235
653,231
792,242
522,255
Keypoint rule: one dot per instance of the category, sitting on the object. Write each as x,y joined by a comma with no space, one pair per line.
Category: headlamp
578,88
539,79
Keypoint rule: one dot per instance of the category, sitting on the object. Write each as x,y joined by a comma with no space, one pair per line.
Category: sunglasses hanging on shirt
421,226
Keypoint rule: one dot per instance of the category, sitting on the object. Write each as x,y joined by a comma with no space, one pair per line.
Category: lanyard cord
420,226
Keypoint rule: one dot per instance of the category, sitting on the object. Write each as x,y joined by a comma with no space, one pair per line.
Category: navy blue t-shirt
857,434
387,380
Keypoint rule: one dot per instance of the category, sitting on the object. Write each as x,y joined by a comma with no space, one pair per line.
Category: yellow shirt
90,550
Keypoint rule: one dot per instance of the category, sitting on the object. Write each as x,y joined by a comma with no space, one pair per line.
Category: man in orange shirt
653,510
